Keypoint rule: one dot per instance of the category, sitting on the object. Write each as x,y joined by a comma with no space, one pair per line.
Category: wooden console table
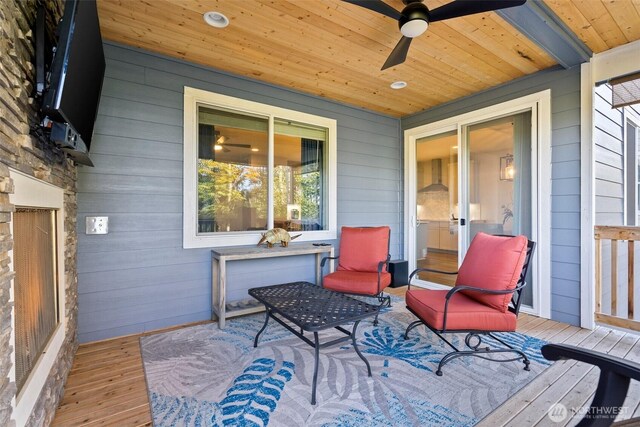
219,258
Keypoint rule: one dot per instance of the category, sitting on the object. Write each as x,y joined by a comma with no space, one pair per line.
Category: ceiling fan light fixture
414,28
215,19
217,147
415,17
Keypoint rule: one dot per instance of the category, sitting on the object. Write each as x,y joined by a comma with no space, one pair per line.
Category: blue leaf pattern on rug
412,351
437,415
205,376
255,393
178,411
529,345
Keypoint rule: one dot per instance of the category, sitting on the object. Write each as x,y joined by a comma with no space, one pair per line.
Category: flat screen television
71,99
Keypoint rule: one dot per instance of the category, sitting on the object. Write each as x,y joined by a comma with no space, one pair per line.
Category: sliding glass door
437,206
498,179
474,178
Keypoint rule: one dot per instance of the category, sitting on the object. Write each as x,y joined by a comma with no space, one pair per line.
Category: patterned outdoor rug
203,376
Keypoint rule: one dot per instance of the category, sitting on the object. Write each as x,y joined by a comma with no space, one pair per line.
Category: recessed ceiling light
398,85
216,19
255,149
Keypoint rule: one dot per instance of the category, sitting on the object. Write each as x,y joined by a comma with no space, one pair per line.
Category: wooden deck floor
106,385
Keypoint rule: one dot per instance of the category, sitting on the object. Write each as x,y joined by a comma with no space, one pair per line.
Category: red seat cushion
364,283
362,248
495,263
463,313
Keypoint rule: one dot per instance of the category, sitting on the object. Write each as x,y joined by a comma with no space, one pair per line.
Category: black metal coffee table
312,308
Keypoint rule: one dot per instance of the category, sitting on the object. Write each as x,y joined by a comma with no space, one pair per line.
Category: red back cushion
362,248
495,263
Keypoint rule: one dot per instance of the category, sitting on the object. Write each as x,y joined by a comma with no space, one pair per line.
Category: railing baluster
614,234
614,277
598,267
630,278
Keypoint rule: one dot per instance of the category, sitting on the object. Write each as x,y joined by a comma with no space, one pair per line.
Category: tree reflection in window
233,176
299,176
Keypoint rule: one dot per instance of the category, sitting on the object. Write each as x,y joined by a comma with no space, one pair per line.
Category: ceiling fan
222,142
416,17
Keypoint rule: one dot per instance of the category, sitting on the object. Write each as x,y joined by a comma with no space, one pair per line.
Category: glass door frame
540,106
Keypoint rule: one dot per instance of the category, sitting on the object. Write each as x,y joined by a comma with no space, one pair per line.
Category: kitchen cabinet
442,235
422,239
448,239
433,238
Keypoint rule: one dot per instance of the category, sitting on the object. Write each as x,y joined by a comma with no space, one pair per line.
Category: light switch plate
97,225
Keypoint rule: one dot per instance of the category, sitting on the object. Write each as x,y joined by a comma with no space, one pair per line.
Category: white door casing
540,106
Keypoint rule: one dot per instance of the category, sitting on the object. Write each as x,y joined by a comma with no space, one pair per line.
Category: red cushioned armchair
486,297
363,263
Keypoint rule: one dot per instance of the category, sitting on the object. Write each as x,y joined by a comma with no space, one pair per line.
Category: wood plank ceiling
335,50
600,24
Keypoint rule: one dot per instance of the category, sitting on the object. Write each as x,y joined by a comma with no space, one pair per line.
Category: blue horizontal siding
609,155
565,158
138,277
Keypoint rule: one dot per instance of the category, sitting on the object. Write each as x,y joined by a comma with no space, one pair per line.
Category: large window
249,167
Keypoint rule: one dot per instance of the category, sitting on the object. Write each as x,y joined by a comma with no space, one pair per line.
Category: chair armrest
625,368
431,270
459,288
613,384
324,260
383,263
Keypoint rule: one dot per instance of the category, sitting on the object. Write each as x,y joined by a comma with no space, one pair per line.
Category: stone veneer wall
23,152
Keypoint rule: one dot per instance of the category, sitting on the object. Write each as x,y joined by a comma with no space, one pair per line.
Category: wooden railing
615,235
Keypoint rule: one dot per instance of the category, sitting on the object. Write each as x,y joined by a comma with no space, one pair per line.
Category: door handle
463,221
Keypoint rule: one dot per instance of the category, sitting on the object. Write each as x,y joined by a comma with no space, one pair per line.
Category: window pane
232,171
299,176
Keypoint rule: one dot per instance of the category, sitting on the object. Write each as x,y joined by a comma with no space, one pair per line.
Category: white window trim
32,192
193,97
539,103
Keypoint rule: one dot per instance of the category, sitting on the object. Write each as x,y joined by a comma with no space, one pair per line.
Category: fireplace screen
35,286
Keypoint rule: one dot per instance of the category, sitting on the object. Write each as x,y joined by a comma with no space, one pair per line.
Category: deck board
106,385
538,386
583,393
536,411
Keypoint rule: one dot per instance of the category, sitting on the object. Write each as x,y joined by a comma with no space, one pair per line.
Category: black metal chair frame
476,348
384,300
613,384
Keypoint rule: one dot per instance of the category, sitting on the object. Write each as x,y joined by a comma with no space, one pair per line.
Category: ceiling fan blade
399,53
238,145
459,8
377,6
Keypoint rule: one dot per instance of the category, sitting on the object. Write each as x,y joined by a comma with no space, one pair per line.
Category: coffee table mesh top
312,307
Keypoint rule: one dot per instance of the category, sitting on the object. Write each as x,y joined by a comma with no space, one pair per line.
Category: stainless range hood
436,175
